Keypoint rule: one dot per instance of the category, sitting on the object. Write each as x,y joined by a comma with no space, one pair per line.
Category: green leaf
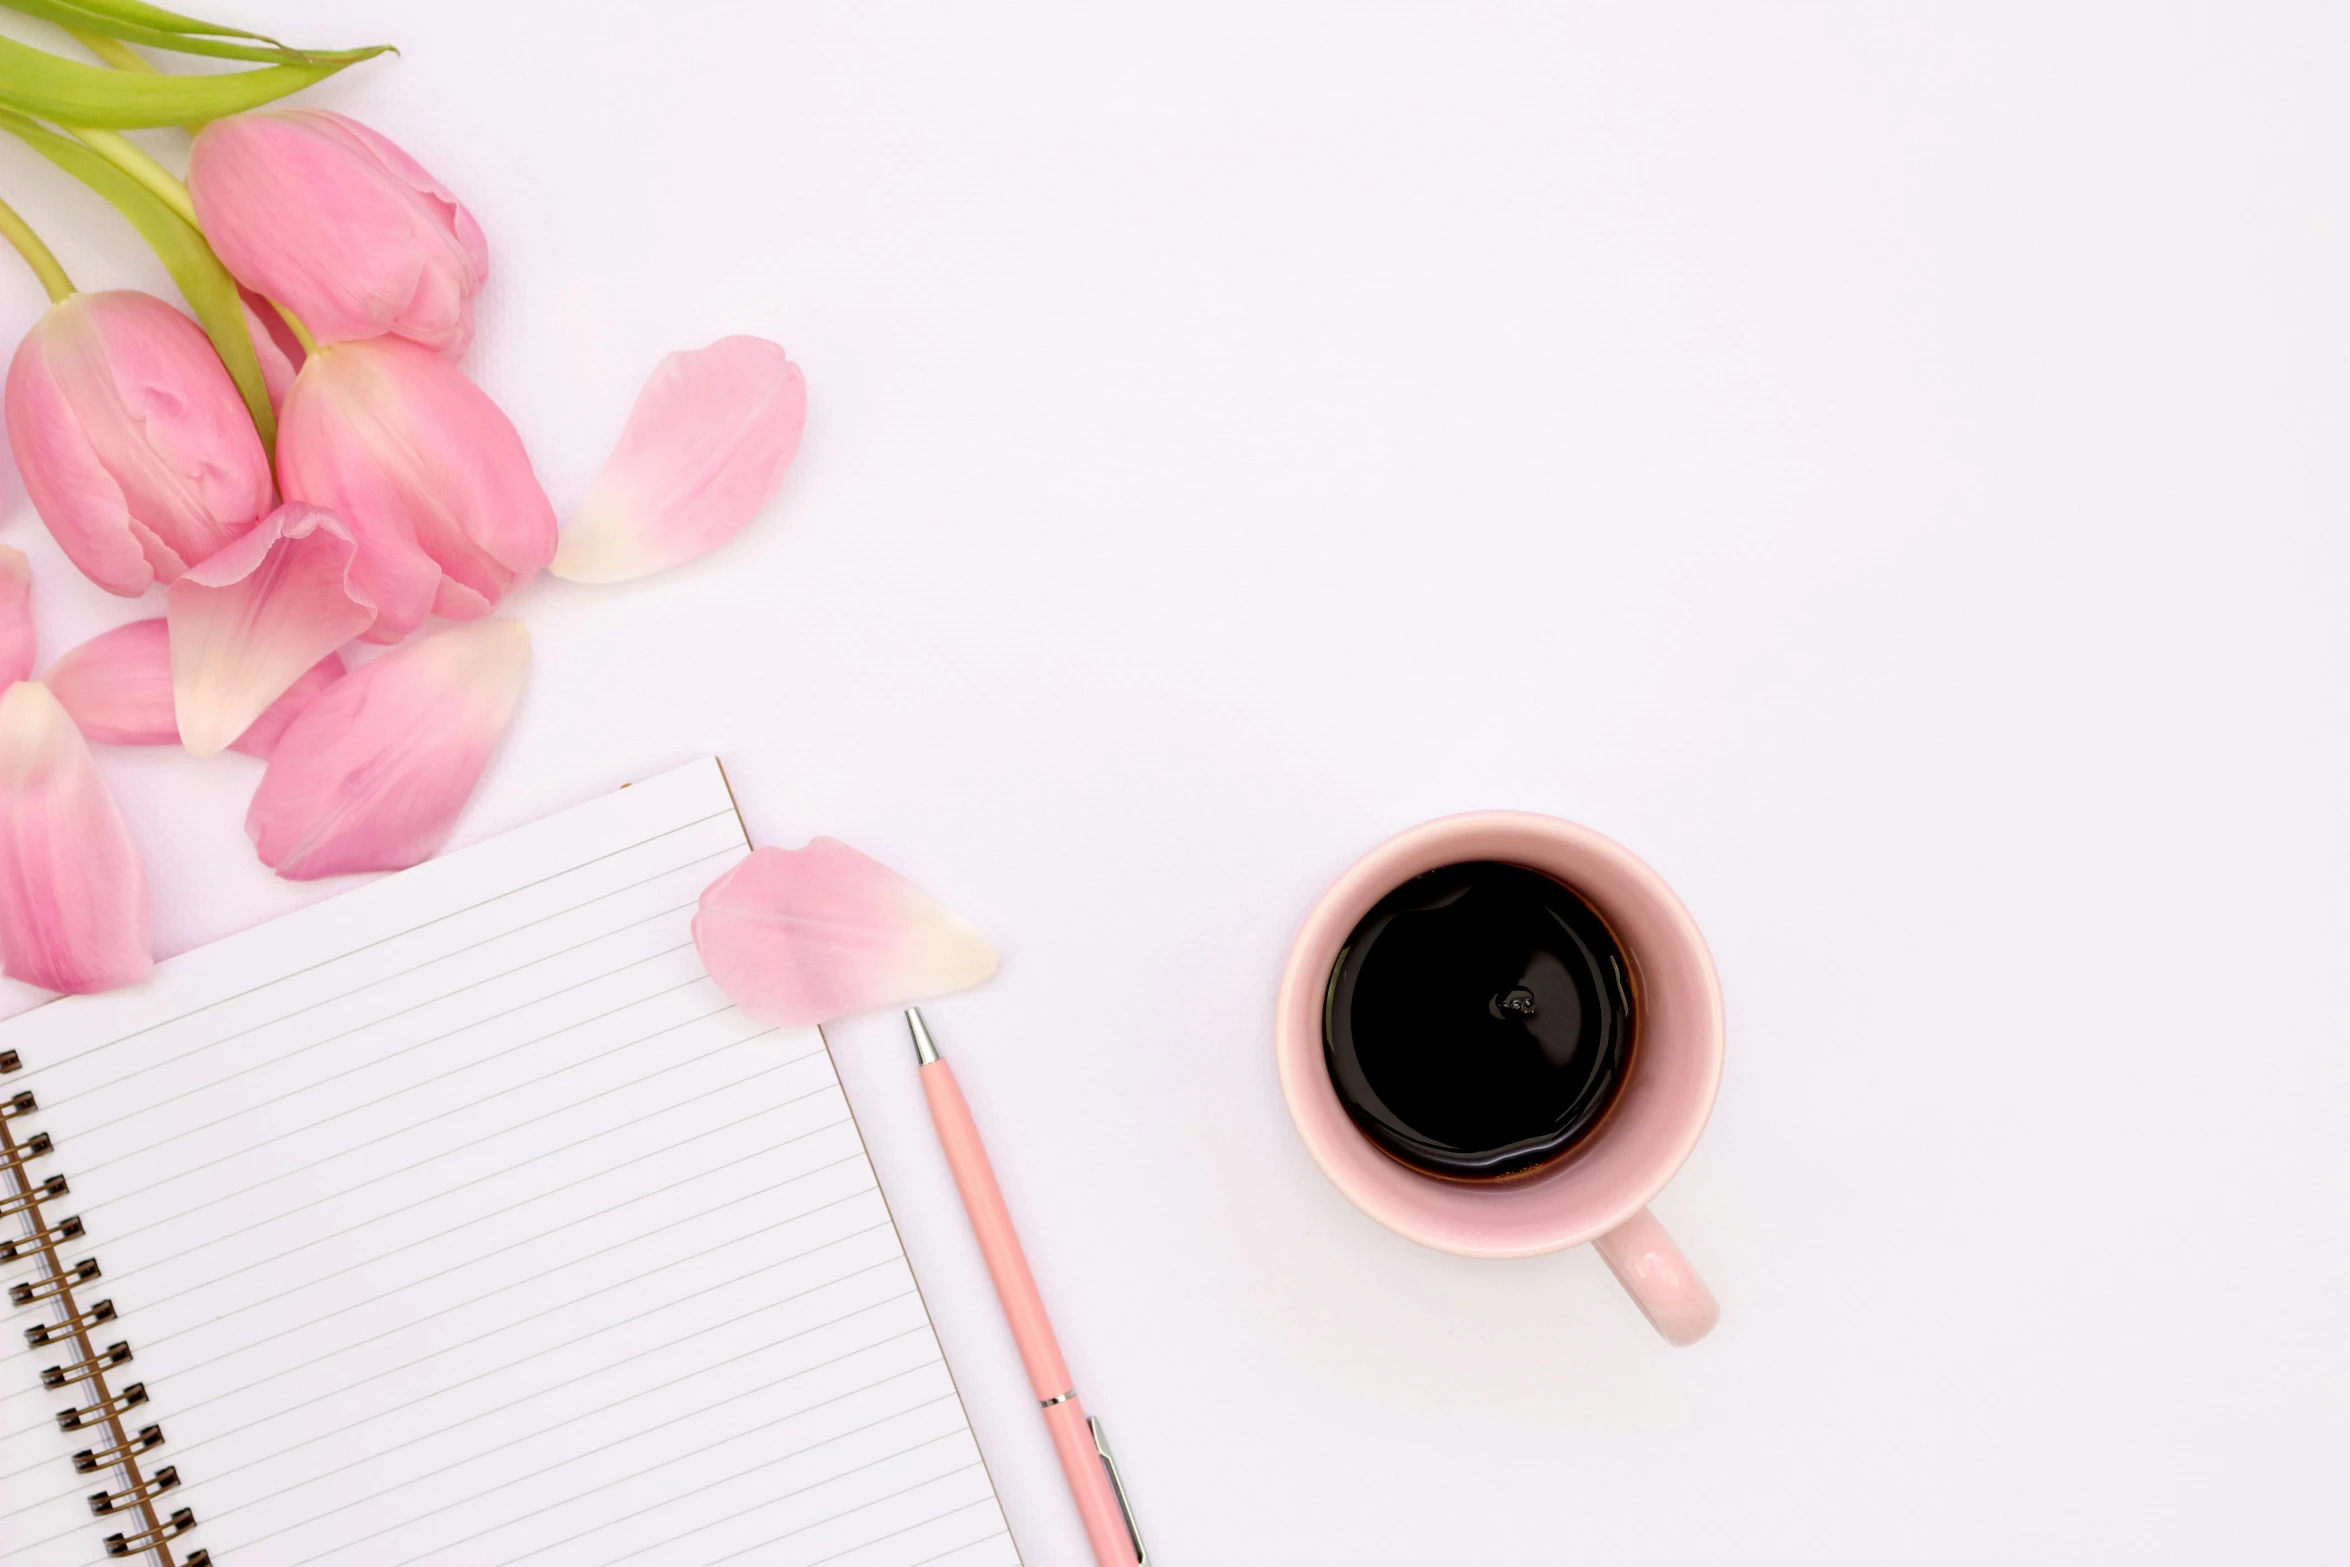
202,280
137,13
46,86
100,17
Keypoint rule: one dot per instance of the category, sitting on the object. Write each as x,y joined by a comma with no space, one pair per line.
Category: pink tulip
117,688
795,937
426,472
133,443
340,226
704,450
16,616
73,893
372,776
253,619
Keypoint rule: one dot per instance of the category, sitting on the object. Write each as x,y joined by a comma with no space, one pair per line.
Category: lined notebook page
460,1220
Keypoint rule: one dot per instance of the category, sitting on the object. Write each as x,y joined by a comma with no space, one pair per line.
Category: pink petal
271,726
800,936
250,621
117,685
348,231
16,616
426,472
133,443
273,345
73,893
117,688
371,777
704,451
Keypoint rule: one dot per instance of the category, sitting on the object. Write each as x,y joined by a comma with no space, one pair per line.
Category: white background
1884,464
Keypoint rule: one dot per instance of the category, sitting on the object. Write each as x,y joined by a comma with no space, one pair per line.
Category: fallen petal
800,936
279,716
704,451
16,616
117,689
371,777
117,686
73,893
250,621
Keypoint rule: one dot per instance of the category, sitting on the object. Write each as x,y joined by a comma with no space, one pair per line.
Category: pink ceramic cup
1600,1190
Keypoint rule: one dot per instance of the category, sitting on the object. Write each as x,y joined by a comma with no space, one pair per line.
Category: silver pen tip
925,1051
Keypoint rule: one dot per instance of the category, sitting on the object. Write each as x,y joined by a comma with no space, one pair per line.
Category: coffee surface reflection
1478,1021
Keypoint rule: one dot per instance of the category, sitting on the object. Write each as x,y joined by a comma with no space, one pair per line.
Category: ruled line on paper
396,936
835,1517
249,1148
396,1370
691,1453
695,1414
227,1039
483,1141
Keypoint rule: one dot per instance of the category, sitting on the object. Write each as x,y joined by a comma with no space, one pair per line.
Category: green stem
36,255
133,160
111,51
295,326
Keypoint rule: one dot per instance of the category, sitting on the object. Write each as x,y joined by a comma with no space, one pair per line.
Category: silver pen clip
1101,1445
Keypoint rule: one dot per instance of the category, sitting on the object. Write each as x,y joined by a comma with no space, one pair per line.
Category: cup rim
1609,1177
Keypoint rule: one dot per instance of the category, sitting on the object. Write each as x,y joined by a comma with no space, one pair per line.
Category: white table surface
1884,464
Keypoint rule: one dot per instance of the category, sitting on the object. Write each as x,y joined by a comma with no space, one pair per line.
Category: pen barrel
1089,1481
999,1243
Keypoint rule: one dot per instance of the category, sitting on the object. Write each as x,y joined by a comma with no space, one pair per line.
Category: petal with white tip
704,450
117,687
800,936
254,618
73,891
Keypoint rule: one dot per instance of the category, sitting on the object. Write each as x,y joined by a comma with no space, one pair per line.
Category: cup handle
1659,1279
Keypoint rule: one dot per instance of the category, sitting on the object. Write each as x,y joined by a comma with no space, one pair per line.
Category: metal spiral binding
153,1537
14,1158
48,1191
109,1409
85,1364
58,1285
84,1370
55,1235
166,1479
45,1333
91,1459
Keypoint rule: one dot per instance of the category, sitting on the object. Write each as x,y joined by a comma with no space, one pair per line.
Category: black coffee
1478,1020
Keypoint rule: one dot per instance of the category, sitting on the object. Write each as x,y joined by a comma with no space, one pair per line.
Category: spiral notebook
459,1220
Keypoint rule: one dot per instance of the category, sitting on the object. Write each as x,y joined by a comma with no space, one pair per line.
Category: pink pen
1085,1452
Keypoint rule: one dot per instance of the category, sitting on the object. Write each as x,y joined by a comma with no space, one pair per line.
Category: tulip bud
427,473
132,440
340,226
